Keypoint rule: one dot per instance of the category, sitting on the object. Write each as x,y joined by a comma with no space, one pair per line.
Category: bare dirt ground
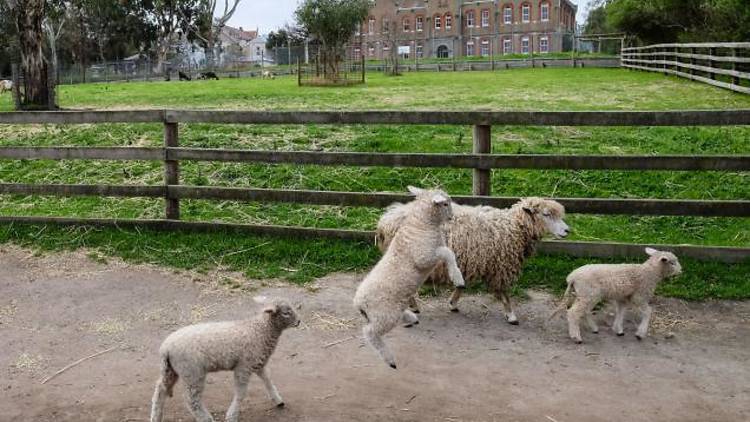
471,366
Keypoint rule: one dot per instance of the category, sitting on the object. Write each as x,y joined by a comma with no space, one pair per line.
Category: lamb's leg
193,394
409,318
273,393
413,305
510,316
241,378
454,273
645,320
163,390
619,318
373,332
453,302
575,313
591,323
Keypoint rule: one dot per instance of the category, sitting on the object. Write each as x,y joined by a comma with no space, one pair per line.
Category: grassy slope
531,89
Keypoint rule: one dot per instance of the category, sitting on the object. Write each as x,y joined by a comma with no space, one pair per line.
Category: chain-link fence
346,67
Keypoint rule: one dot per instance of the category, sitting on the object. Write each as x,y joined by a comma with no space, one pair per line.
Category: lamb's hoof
280,405
454,310
416,311
620,334
639,337
411,325
595,332
514,322
461,287
393,365
578,340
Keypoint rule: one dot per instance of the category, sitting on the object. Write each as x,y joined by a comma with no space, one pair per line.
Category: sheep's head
279,311
666,261
550,212
438,203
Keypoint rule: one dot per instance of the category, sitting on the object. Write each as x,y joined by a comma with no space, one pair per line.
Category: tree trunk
29,17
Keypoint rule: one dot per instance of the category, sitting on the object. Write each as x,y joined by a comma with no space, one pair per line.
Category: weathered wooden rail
725,65
481,161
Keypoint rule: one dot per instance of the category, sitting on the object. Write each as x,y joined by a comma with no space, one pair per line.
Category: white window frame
406,24
485,44
508,17
371,26
544,41
526,13
525,44
469,48
485,16
544,12
448,22
470,19
507,46
419,49
438,23
386,24
419,23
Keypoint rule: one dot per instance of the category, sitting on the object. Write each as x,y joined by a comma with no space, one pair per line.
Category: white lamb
623,284
5,85
490,244
417,248
240,346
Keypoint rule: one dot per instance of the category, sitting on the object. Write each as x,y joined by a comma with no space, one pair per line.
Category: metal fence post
735,66
482,145
711,63
171,170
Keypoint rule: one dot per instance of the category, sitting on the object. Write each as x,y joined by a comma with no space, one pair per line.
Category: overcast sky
267,15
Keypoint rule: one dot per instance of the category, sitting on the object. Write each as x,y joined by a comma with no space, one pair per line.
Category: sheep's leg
273,393
373,333
453,302
413,305
575,313
163,390
193,395
619,318
409,318
510,316
592,323
645,320
454,273
241,379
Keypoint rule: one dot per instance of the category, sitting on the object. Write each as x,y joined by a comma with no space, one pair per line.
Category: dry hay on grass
329,322
665,321
109,327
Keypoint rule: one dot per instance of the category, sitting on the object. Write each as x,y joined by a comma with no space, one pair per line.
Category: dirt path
452,367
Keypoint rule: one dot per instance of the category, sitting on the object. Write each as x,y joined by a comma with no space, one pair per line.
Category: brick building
460,28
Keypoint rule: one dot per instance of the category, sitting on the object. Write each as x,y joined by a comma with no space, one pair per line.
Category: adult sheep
490,244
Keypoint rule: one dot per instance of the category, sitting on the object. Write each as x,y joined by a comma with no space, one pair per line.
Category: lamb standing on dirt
490,244
240,346
417,248
623,284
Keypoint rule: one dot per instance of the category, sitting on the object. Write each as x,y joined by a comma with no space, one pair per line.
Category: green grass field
300,261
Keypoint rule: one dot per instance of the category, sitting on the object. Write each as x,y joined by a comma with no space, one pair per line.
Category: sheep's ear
414,190
650,251
270,309
529,210
439,199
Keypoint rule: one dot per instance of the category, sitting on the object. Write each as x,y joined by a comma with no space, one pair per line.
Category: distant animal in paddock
208,75
240,346
623,284
183,76
6,85
268,75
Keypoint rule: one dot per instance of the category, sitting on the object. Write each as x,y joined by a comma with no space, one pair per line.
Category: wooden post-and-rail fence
482,161
724,65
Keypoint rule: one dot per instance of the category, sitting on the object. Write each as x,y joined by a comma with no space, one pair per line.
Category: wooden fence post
482,145
171,170
711,63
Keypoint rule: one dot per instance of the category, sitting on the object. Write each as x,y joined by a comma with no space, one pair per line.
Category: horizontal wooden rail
707,69
692,45
358,199
720,84
366,159
530,118
579,249
707,57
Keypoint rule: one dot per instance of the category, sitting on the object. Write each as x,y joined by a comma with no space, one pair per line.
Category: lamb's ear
439,199
529,210
650,251
270,309
414,190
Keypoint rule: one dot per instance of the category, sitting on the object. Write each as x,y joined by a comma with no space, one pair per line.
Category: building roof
240,34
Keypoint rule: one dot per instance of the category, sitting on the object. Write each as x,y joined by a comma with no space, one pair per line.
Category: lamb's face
668,262
285,315
439,201
552,214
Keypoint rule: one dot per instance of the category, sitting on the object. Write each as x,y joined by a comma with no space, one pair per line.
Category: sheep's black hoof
595,332
461,287
393,365
638,337
411,325
416,311
454,310
513,322
578,341
280,405
620,334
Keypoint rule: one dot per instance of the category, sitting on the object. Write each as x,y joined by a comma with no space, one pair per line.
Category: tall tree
208,24
333,23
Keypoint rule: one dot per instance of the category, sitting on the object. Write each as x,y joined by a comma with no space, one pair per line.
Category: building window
485,48
406,24
357,29
470,48
526,13
507,46
443,52
438,22
448,21
544,45
371,50
508,15
485,18
525,45
386,24
371,26
544,12
470,19
419,51
386,48
357,52
419,23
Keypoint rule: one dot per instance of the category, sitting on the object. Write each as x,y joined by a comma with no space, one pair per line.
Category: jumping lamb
490,244
623,284
417,248
240,346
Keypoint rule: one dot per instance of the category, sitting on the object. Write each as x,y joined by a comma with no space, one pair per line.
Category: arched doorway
443,52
